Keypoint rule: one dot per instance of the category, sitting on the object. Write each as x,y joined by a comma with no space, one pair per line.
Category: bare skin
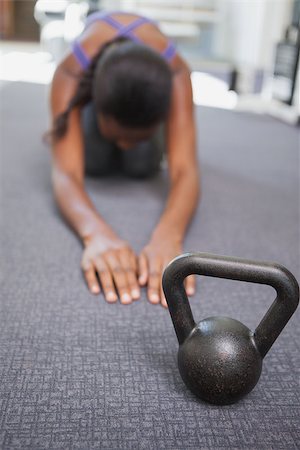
106,256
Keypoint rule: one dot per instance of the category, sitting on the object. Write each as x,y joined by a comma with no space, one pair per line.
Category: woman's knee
142,161
100,156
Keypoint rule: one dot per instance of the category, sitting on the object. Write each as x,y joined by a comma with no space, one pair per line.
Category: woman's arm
182,161
167,237
68,165
104,252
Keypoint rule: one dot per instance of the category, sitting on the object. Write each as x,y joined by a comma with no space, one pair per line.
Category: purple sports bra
122,30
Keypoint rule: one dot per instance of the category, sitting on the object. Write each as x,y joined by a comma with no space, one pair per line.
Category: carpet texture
78,373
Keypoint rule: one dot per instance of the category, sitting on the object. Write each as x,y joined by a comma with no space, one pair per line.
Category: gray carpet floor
78,373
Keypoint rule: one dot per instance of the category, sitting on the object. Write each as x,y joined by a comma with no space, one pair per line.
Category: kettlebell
220,359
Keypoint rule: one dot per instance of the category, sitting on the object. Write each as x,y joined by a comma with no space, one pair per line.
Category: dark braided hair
128,81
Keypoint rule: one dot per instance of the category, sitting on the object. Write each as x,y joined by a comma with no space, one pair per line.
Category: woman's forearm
76,207
181,204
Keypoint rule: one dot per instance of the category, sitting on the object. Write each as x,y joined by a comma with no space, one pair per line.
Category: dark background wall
17,21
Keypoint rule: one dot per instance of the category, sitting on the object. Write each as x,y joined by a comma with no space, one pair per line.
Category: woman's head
132,84
131,87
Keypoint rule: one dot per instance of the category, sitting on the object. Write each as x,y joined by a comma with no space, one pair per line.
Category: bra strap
169,52
128,29
80,55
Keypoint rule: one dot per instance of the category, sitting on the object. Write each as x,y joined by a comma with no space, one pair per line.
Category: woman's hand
152,262
115,263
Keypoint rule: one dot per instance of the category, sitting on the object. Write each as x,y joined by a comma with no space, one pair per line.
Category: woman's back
124,25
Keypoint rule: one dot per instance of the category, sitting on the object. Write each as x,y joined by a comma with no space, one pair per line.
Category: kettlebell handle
231,268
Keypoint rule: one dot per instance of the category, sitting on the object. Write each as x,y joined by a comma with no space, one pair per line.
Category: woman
111,98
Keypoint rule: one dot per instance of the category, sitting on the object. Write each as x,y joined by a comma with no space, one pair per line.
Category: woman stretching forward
119,100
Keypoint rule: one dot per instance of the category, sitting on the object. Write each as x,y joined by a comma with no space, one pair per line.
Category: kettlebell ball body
220,359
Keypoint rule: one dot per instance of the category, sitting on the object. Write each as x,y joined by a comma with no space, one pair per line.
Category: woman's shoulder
102,27
136,27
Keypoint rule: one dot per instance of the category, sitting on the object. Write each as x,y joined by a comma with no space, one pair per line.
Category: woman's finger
143,269
190,285
106,281
119,277
91,279
163,300
154,281
134,263
162,295
128,262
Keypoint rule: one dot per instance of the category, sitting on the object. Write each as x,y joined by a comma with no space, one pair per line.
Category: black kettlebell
220,359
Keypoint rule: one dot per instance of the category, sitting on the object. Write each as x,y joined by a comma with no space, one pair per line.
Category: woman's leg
101,157
144,160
